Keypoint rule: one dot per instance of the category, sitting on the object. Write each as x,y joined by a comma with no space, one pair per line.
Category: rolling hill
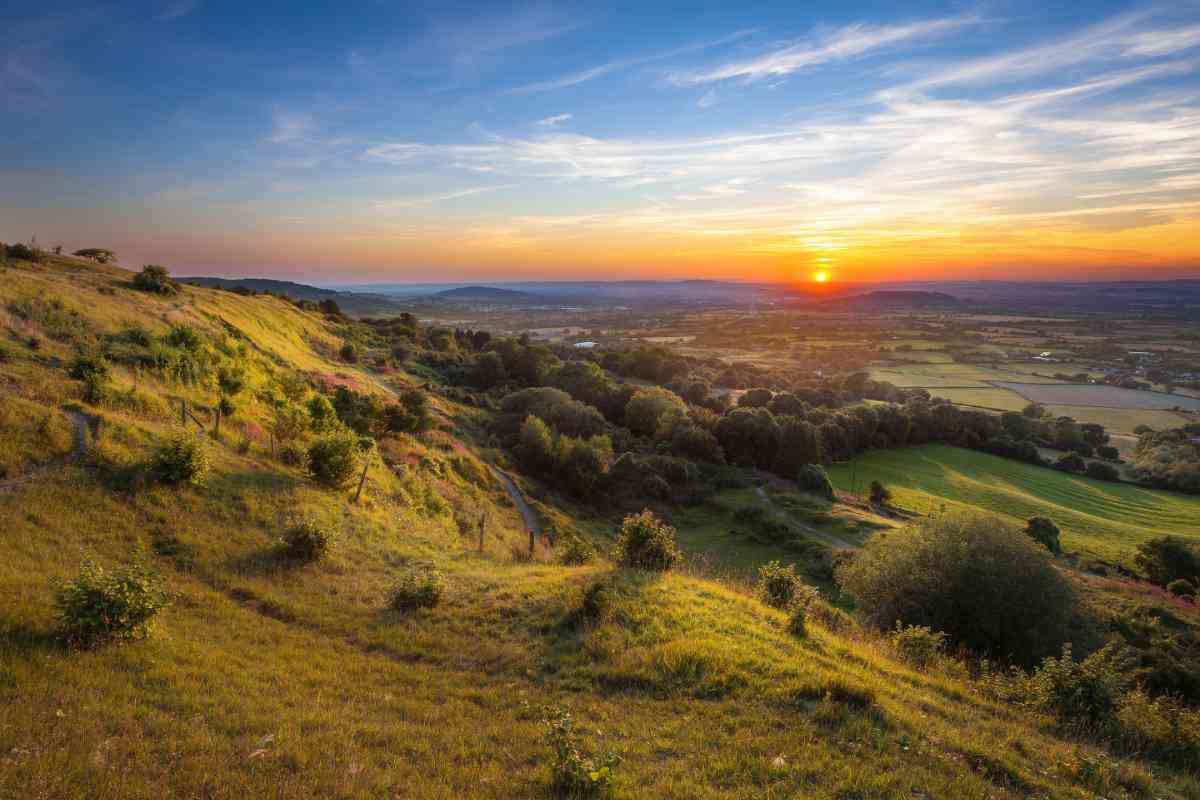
266,677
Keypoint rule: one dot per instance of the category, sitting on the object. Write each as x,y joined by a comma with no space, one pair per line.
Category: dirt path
79,426
530,518
816,533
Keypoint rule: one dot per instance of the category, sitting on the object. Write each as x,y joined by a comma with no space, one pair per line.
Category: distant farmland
1088,394
1107,519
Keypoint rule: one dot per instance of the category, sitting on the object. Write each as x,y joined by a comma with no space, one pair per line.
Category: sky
389,141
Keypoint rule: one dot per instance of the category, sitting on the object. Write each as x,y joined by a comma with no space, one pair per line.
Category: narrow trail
816,533
530,518
79,426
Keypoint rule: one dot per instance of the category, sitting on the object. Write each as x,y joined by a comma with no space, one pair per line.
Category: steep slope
270,679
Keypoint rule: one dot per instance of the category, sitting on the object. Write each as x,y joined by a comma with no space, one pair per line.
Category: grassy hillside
266,678
1108,519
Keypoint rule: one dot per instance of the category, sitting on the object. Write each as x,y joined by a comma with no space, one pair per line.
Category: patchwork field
999,399
1106,519
1084,394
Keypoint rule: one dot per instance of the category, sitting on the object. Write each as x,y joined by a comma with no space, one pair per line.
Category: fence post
362,478
482,525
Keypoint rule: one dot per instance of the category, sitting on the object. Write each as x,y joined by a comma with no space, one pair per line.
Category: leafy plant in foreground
102,605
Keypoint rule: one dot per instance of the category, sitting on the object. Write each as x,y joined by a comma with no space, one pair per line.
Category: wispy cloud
708,99
555,121
428,200
288,126
599,71
844,43
176,9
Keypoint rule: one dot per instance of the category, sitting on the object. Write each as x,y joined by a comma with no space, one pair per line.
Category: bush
1101,471
1166,559
975,577
1160,728
646,542
575,550
95,389
1082,694
333,460
291,454
182,458
154,278
87,364
919,645
308,540
813,479
880,494
1070,462
1043,531
349,353
798,622
777,585
574,773
1182,588
102,605
419,588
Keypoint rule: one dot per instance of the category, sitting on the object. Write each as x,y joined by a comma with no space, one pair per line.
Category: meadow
1097,395
1103,518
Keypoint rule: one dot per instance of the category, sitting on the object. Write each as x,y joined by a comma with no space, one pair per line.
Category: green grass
1108,519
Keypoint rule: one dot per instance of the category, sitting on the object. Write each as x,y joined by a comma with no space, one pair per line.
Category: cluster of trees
1169,459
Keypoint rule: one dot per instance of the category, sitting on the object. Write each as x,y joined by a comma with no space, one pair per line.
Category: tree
756,398
1043,531
812,478
321,414
1168,558
1108,453
654,411
488,371
535,445
97,254
1101,471
1034,411
975,577
1070,462
154,278
749,436
799,444
691,441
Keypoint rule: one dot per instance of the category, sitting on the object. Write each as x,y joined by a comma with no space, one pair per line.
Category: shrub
1082,694
333,460
419,588
182,458
95,389
291,454
349,353
102,605
1043,531
919,645
880,494
154,278
1070,462
777,585
308,540
646,542
798,622
813,479
1161,728
976,577
574,773
597,603
1182,588
575,550
1101,471
1167,558
87,364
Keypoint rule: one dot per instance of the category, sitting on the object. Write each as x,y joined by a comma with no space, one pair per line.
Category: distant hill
353,303
488,294
894,300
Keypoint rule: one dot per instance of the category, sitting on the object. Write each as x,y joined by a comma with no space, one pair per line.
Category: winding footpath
816,533
79,426
530,518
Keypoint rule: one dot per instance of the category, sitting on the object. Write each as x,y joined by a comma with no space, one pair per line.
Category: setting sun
821,277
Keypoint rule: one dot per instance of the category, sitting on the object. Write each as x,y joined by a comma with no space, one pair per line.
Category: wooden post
362,479
482,524
531,543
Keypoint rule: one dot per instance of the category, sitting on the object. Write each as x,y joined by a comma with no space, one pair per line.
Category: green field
1107,519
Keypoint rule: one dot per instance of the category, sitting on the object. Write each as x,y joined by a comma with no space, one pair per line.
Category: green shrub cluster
646,542
104,605
778,585
154,278
308,540
919,645
183,458
333,460
418,588
575,773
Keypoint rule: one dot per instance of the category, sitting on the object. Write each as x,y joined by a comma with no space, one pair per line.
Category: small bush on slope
646,542
308,540
102,605
420,588
574,773
182,458
977,578
333,460
778,585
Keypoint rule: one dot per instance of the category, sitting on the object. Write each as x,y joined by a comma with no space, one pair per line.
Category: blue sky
402,141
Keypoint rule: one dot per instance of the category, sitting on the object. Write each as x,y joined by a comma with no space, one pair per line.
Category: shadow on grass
24,638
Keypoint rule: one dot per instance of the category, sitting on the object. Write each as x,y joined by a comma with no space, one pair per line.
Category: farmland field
1084,394
1106,519
1121,420
1000,399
